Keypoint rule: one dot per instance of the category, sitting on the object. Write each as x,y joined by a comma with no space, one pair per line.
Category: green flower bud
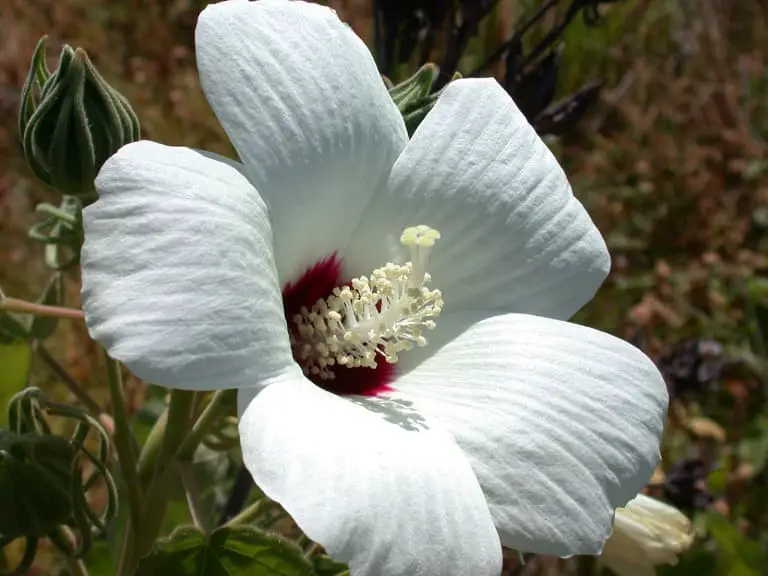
71,121
410,91
414,96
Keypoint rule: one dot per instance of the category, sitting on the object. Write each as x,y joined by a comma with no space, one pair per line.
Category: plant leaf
12,331
227,551
327,566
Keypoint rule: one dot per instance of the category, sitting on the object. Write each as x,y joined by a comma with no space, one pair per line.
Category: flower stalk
151,451
77,390
192,494
147,527
249,514
179,415
123,440
24,307
217,407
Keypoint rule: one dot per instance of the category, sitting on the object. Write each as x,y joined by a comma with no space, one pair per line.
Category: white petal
514,238
561,424
178,277
389,499
300,97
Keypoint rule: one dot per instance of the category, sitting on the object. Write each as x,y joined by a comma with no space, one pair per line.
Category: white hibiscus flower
503,425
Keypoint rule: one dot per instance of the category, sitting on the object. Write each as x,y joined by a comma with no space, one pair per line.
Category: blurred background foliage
670,160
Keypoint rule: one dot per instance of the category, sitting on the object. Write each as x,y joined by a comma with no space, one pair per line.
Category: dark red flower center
317,282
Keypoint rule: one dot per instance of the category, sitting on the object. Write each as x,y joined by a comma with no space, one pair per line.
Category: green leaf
754,448
740,556
35,483
12,330
43,326
717,481
227,551
417,110
757,289
327,566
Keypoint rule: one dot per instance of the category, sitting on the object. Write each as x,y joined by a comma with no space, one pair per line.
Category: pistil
371,318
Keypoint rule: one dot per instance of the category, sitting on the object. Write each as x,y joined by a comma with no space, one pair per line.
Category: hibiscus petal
300,97
560,422
378,490
178,277
514,238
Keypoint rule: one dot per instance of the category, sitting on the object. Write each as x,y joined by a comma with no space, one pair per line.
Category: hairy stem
150,452
193,494
72,385
217,407
124,440
250,513
159,491
24,307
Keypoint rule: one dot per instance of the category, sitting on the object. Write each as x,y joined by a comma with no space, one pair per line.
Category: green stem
124,440
73,385
125,550
150,453
198,400
178,442
217,407
177,426
313,550
76,567
250,513
155,507
193,494
159,492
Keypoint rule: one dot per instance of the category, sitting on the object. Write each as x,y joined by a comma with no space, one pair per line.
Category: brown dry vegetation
672,164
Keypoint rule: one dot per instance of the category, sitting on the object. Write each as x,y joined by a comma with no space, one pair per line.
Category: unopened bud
71,121
646,533
415,88
414,96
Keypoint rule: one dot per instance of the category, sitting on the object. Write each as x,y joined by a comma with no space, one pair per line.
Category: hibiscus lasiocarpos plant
392,312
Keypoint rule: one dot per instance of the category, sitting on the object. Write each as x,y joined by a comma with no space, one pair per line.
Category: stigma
371,319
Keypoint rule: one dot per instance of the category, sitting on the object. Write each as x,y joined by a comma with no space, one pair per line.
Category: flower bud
414,96
646,533
71,121
415,88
